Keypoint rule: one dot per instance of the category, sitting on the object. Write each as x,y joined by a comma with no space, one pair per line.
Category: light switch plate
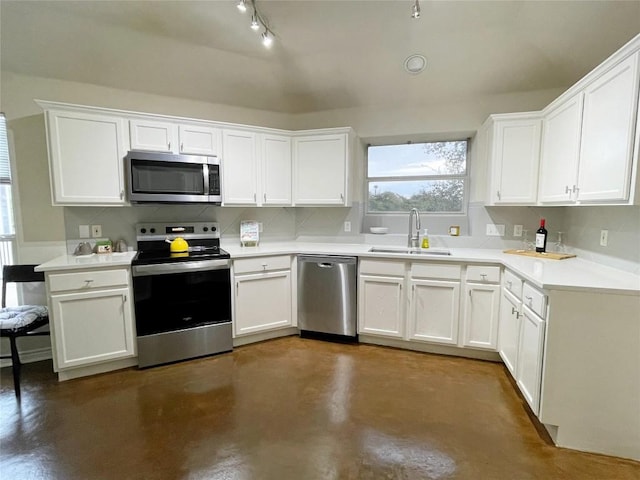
347,226
517,230
83,231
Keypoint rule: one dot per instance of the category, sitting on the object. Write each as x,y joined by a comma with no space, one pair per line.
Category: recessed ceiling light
415,64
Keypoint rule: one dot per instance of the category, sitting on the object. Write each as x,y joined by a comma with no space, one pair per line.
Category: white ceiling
328,54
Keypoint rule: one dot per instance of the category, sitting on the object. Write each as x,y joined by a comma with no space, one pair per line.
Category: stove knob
143,230
206,229
153,230
213,229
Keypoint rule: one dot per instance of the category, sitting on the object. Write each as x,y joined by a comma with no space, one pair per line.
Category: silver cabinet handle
88,283
499,196
265,197
182,147
124,298
567,189
255,198
121,194
169,145
264,266
342,197
484,277
237,288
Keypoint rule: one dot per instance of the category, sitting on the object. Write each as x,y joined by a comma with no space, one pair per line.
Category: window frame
464,177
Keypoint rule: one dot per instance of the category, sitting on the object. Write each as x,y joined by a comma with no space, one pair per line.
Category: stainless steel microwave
154,177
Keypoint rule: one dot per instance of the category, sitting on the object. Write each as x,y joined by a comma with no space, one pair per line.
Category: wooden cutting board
552,255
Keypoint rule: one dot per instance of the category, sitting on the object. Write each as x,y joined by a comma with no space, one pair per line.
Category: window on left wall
7,223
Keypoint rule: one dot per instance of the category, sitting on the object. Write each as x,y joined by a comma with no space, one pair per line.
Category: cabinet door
434,311
91,327
86,154
530,351
276,170
509,331
239,168
609,120
380,306
320,164
481,316
199,140
516,157
560,152
152,135
262,302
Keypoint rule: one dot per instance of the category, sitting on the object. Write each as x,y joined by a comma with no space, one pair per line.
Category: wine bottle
541,238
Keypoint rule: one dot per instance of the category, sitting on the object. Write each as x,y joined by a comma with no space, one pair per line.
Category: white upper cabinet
589,138
239,168
513,154
609,119
199,140
321,169
275,160
560,151
161,136
86,152
152,135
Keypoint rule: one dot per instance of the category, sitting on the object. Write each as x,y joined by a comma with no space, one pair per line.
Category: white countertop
95,260
568,274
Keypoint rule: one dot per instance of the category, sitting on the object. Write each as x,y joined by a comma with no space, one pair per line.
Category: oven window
165,303
148,176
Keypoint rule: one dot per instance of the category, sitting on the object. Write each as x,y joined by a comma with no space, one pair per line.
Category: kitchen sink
411,251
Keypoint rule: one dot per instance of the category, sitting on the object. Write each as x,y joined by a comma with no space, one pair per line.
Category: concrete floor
285,409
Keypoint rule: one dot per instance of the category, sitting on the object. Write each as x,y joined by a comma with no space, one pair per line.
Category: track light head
255,25
242,5
267,38
415,10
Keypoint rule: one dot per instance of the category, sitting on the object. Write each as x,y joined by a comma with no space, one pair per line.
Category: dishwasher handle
327,261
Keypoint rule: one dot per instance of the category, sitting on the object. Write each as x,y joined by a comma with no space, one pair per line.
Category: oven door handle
180,267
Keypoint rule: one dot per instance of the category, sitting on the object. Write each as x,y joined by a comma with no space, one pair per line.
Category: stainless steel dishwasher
327,306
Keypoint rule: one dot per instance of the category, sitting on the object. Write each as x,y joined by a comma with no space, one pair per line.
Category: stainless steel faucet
414,240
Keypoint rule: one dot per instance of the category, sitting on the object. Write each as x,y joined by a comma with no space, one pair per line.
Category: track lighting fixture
267,38
257,21
415,10
254,22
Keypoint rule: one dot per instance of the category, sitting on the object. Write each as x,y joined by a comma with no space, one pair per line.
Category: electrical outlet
495,230
347,226
604,238
517,230
96,231
83,230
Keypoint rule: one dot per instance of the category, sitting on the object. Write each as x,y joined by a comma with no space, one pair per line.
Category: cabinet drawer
512,284
380,267
437,270
483,273
262,264
59,282
534,299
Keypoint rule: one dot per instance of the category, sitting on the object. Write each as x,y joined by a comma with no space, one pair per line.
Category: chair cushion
19,318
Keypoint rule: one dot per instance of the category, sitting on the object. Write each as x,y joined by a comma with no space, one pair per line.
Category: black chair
20,321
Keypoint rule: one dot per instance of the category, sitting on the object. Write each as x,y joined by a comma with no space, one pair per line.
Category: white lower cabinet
91,317
509,330
530,358
263,299
523,312
434,303
381,298
481,303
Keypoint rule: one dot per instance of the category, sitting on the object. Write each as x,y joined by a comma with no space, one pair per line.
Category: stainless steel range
182,300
